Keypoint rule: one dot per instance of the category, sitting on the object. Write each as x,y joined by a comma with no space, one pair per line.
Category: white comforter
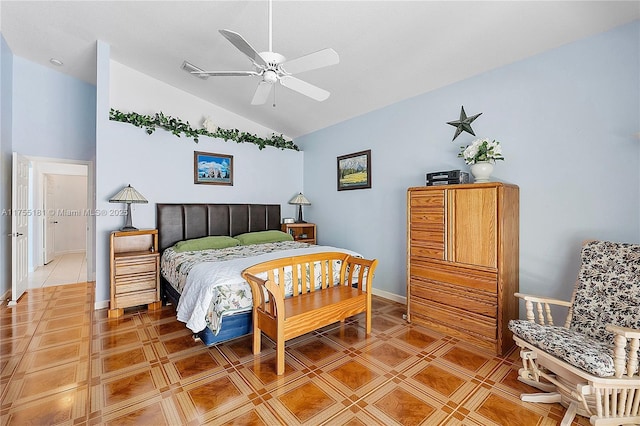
206,277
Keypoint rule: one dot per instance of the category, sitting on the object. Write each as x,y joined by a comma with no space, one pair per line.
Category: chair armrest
267,296
629,333
541,306
360,271
625,359
543,299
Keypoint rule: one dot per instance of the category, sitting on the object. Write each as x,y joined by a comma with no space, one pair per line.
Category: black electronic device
450,177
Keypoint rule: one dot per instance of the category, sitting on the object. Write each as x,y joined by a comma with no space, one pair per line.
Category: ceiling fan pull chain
274,95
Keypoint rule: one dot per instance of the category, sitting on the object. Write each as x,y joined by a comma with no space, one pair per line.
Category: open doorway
58,235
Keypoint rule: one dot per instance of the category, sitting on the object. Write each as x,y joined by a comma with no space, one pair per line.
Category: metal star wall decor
464,124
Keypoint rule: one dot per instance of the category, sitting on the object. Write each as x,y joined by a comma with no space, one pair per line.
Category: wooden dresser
462,261
135,270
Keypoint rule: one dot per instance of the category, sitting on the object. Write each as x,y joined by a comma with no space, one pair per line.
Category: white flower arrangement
481,150
209,125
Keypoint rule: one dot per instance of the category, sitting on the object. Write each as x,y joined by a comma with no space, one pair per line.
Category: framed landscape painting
212,169
354,171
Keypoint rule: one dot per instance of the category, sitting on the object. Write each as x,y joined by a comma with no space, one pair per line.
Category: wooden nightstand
135,270
303,232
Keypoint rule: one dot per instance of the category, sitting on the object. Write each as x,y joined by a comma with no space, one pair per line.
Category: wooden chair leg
280,347
368,321
280,357
257,334
570,414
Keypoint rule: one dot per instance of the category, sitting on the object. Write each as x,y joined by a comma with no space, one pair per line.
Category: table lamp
300,200
128,195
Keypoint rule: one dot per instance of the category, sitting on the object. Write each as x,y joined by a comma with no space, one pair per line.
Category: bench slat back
298,275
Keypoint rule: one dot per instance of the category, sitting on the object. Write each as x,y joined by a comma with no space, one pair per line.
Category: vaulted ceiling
389,50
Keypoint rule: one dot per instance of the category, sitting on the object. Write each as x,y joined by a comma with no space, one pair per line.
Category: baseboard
387,295
63,252
6,297
101,305
390,296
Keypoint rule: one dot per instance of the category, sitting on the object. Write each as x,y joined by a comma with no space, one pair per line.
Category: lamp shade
128,194
300,200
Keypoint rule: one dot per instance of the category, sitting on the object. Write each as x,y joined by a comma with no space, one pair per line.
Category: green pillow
205,243
262,237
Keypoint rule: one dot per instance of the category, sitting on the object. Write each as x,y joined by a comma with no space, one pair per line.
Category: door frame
47,165
48,231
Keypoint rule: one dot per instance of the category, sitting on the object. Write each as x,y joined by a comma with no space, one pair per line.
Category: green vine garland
178,127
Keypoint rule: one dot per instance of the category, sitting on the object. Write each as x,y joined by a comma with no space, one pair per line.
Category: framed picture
354,171
212,169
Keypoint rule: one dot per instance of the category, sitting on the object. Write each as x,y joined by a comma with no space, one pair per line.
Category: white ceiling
389,50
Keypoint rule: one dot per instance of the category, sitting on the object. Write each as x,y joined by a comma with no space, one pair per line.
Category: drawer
127,266
427,236
448,317
427,217
135,299
431,199
136,282
485,279
479,302
431,251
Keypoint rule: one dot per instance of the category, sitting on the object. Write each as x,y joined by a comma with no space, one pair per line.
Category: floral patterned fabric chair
590,364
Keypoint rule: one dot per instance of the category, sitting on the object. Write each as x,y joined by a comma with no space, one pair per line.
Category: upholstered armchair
590,363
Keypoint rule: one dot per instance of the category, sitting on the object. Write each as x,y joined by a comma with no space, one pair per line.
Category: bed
216,312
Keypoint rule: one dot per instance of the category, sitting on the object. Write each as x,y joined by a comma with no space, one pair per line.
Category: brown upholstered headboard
177,222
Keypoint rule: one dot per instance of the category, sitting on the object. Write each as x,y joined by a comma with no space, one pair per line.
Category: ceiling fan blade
223,73
190,68
242,45
319,59
200,73
305,88
262,93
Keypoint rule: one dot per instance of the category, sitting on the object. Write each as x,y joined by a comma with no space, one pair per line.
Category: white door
49,219
19,226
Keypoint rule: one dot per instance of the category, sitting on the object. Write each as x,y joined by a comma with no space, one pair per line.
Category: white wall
71,200
567,121
160,166
74,229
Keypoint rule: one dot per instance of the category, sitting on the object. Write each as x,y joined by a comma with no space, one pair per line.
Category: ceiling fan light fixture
270,76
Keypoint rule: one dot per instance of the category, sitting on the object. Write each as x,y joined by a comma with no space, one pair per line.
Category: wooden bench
331,287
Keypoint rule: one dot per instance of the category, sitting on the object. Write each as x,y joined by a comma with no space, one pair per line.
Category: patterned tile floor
61,362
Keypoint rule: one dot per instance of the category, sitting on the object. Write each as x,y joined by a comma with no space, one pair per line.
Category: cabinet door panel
473,222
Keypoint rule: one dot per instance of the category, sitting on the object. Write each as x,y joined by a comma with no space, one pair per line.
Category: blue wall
568,121
53,114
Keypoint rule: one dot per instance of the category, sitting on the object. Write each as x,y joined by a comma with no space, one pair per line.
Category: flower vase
481,171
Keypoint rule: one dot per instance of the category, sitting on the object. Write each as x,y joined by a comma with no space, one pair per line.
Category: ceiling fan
273,68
